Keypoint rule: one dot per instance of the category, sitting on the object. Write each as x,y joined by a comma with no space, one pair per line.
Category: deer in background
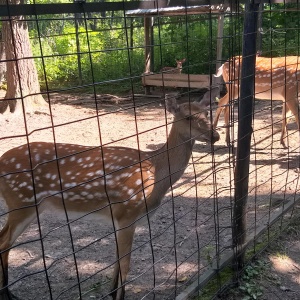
275,79
121,185
173,70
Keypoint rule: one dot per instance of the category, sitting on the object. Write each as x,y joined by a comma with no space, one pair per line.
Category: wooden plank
176,80
179,77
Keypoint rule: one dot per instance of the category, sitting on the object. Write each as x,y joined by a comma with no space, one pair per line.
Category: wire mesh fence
104,157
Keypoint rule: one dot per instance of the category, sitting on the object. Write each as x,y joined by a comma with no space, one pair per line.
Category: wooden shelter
150,78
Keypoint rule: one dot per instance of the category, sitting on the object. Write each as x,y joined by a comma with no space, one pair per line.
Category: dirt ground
191,225
275,274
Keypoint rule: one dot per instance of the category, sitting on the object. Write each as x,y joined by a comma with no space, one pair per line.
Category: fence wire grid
72,129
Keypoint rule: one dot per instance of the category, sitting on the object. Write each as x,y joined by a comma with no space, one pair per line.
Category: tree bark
23,88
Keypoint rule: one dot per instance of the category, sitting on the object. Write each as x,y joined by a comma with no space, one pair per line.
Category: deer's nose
215,136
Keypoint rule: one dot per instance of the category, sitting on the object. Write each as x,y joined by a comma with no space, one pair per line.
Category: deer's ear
171,104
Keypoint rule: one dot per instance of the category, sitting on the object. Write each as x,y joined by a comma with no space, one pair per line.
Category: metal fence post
244,130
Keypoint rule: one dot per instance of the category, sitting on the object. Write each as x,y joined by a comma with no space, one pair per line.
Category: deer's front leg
221,106
124,245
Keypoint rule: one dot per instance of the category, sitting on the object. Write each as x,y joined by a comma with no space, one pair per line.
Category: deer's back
275,78
83,178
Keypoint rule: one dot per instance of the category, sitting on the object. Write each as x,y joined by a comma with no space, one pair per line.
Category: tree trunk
2,60
22,80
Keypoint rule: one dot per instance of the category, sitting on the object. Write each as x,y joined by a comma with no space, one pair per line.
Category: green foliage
250,286
174,40
280,30
103,56
212,287
104,47
209,253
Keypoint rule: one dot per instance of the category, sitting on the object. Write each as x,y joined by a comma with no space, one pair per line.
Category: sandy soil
188,228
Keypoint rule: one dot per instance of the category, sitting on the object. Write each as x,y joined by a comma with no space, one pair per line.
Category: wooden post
77,18
147,31
220,40
217,81
259,26
244,131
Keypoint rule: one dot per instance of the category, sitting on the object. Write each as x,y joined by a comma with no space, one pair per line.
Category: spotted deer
178,68
121,185
275,79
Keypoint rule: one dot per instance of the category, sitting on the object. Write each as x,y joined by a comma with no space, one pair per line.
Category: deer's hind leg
293,106
17,222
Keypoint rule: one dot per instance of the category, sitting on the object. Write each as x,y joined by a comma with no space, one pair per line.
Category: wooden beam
176,80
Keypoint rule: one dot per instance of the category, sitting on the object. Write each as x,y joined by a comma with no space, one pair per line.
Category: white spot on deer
90,196
18,166
99,195
76,197
107,166
53,177
72,158
12,182
124,175
68,173
22,184
99,173
130,191
84,194
79,160
134,197
88,186
110,182
62,161
12,160
70,185
48,175
138,182
88,158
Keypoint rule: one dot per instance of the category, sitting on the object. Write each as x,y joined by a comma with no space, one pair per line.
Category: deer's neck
171,160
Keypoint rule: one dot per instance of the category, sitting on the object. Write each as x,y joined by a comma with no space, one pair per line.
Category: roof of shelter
179,10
